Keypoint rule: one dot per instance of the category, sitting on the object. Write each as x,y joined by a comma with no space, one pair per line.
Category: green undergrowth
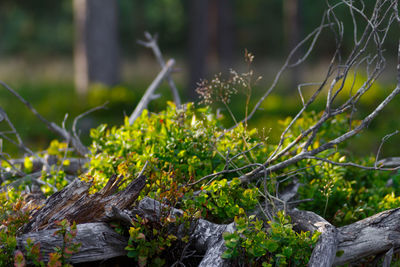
181,149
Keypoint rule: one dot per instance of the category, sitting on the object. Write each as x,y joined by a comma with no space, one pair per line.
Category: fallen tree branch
324,252
75,142
152,44
148,95
98,242
80,116
74,203
207,236
371,236
374,235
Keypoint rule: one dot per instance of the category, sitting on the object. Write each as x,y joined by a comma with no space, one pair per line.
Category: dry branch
324,252
75,142
149,94
372,236
152,44
378,234
98,242
74,203
206,236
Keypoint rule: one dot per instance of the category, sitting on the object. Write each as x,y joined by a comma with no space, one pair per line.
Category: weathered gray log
324,252
74,203
371,236
98,242
207,236
374,235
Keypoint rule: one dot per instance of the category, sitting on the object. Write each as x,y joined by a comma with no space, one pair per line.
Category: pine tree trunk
102,41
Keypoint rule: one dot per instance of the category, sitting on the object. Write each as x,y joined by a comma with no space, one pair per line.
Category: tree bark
198,44
98,242
372,236
96,47
292,30
102,41
324,252
81,77
74,203
225,34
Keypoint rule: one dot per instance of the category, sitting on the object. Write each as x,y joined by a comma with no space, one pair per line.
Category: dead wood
98,242
74,203
206,236
371,236
324,252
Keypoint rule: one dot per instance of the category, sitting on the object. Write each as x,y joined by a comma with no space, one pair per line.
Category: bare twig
384,139
147,97
314,37
351,164
152,44
76,143
80,116
18,171
143,169
223,172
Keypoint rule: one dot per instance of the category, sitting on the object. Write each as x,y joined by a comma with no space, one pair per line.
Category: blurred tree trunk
198,44
213,20
81,77
292,30
96,55
225,34
102,41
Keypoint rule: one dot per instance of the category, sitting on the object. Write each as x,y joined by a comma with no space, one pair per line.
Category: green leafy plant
147,243
68,232
184,146
275,244
33,253
60,256
223,200
12,217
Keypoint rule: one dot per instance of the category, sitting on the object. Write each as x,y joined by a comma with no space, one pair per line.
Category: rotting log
74,203
371,236
98,242
207,236
324,252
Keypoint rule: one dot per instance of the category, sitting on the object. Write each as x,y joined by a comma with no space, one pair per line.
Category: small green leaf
226,255
272,246
287,251
339,253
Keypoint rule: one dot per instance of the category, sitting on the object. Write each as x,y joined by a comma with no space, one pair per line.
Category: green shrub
183,146
274,244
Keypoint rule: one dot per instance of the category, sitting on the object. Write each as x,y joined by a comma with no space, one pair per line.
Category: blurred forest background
68,56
